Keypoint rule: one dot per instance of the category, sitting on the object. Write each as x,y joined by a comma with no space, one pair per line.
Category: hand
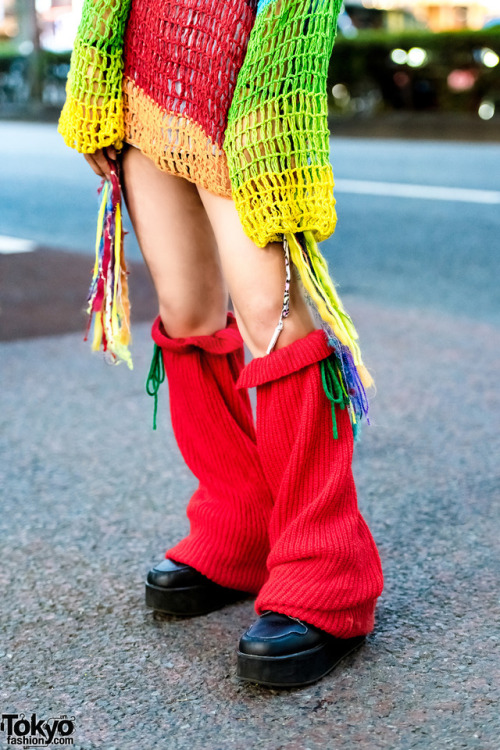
99,161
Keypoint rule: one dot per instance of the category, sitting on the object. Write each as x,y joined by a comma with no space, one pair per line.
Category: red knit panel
186,54
226,340
213,425
280,362
324,565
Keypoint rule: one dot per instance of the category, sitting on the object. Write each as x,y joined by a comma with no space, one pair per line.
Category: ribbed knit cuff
224,341
281,362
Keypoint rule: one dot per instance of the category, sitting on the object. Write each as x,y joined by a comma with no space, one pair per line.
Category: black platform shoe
178,589
281,651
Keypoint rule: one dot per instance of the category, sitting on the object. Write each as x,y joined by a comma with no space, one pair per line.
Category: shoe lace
155,378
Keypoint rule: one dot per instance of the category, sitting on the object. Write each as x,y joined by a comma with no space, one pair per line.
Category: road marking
429,192
11,245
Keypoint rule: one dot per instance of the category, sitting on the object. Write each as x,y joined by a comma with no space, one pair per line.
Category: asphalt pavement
91,497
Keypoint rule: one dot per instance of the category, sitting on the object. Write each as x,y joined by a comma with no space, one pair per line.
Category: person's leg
256,280
178,245
324,566
202,351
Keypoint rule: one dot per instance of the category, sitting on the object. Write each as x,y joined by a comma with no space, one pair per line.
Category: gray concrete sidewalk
91,496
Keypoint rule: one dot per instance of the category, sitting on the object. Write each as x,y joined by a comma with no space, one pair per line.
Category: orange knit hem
175,143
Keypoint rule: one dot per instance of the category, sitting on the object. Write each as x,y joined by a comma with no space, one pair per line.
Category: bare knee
195,307
260,317
256,280
184,321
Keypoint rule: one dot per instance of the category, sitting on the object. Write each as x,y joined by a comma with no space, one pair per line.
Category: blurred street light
489,58
399,56
461,80
417,57
486,110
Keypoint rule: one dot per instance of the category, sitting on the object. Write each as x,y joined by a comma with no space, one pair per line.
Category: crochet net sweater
181,61
277,138
232,96
202,85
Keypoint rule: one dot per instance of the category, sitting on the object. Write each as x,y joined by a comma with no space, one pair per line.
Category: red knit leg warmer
213,425
324,565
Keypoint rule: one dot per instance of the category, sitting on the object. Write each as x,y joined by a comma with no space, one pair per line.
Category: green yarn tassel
314,274
155,378
333,387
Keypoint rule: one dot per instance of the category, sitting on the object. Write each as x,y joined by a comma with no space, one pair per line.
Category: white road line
11,245
427,192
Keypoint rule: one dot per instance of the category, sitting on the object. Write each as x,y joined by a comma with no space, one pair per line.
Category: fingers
90,159
99,163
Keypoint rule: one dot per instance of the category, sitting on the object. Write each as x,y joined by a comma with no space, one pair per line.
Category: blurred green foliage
8,50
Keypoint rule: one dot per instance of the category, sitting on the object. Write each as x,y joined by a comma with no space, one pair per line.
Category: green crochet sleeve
92,116
277,140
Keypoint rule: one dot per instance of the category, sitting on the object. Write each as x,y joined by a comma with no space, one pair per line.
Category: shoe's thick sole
192,600
295,670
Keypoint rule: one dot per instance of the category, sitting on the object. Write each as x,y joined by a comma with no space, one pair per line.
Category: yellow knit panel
295,200
81,125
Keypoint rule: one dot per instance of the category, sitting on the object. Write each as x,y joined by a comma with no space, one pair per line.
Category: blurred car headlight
486,109
417,57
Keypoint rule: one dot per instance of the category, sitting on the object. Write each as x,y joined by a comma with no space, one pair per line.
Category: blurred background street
418,226
91,496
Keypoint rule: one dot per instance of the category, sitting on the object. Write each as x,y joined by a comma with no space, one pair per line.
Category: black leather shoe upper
279,635
170,574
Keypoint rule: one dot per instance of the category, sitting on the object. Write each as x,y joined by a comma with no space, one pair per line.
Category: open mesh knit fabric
181,61
232,96
160,75
92,116
277,138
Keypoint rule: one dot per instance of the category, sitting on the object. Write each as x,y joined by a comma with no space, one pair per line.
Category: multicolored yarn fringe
314,274
108,303
340,375
333,387
343,387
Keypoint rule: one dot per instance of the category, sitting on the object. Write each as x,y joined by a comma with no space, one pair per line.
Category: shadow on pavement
44,293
